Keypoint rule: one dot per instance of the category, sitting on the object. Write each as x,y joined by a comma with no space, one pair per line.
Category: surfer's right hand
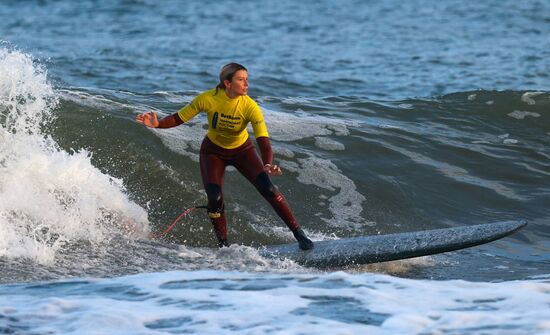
148,119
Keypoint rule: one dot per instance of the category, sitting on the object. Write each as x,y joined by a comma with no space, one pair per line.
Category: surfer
229,110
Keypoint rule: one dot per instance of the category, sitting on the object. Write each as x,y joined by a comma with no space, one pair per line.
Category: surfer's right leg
212,172
216,213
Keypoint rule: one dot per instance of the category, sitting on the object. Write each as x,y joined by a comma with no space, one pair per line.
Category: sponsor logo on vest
226,116
215,120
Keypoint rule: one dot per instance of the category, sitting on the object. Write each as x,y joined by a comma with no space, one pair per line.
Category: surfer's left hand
273,170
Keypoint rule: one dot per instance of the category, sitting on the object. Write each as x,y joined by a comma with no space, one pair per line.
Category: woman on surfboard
230,110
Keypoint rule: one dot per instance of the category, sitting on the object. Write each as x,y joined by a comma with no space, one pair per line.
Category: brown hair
227,72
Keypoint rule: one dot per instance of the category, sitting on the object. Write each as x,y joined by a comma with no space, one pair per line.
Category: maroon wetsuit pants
213,161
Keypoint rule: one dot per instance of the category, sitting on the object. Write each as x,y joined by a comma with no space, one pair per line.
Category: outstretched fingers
148,119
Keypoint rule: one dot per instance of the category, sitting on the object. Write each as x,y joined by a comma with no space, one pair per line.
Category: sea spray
49,197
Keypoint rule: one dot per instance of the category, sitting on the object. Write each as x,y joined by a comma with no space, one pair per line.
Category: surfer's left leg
280,205
250,165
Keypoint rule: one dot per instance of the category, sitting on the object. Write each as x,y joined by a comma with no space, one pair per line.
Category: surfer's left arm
267,156
262,138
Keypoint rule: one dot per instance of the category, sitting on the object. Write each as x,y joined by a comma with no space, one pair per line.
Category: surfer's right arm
151,120
183,115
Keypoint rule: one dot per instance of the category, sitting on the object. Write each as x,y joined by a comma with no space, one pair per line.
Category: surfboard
382,248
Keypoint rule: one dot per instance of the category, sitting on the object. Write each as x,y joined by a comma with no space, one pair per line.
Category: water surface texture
385,116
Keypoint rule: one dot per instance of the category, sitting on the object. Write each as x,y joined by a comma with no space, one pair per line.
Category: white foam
346,204
395,267
520,115
507,140
25,95
285,152
267,227
217,302
389,126
510,141
296,101
527,97
175,97
286,127
237,257
328,144
48,196
96,101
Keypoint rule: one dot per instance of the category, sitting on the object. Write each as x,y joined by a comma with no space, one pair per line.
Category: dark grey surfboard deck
382,248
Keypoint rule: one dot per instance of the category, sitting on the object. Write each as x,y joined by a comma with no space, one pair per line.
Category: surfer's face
238,84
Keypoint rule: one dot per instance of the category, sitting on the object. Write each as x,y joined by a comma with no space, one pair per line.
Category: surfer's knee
215,200
265,186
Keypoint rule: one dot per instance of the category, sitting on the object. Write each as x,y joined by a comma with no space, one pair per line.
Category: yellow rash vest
227,118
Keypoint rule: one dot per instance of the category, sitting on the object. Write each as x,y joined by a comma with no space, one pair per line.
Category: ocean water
385,117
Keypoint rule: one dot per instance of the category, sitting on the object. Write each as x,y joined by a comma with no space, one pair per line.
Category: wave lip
48,197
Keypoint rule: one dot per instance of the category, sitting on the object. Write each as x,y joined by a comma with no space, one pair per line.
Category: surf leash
167,230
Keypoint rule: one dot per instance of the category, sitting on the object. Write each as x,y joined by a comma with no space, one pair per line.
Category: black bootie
304,242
